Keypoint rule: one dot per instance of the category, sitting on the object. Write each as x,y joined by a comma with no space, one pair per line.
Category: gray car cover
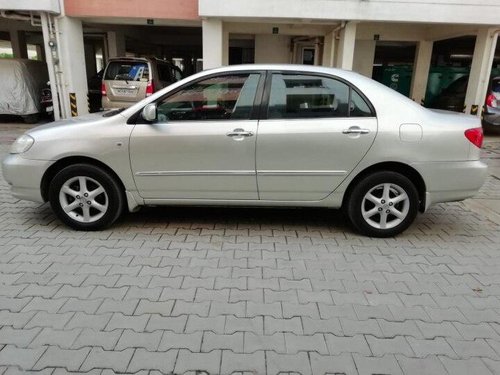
21,84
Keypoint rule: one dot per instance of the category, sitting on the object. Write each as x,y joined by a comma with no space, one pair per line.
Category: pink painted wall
166,9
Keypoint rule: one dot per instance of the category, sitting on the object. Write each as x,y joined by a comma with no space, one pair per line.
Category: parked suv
128,80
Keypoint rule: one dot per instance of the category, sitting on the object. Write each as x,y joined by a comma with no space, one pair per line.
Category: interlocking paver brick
48,336
189,341
312,326
215,324
120,321
45,319
25,358
175,324
245,363
345,344
396,345
90,337
71,360
236,324
339,364
155,361
465,366
473,348
208,362
293,363
213,341
18,337
274,342
83,320
114,360
302,343
273,309
377,365
131,339
273,325
418,366
424,348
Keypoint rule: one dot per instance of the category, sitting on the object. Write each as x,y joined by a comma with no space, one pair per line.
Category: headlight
22,144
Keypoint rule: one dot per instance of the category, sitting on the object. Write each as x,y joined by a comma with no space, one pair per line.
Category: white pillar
480,71
329,49
116,44
18,42
421,68
364,55
72,64
347,42
213,43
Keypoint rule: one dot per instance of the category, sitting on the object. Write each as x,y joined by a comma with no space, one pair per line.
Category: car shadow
279,218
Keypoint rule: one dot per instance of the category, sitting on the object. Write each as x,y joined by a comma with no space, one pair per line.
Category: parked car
452,98
25,90
255,135
491,115
128,80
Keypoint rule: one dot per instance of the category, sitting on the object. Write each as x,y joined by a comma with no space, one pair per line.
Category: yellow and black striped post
473,109
72,102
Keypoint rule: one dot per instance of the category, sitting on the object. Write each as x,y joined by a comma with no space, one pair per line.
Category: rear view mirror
149,112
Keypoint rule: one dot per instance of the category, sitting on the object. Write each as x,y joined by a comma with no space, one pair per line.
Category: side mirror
149,112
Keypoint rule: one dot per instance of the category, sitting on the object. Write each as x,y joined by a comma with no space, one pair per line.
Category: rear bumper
451,181
24,176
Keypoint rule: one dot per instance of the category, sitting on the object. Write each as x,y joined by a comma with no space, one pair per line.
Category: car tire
383,204
31,119
86,197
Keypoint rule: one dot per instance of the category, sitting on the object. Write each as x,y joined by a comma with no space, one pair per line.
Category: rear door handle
239,133
355,130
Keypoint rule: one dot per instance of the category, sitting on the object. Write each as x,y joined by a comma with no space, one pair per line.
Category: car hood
85,119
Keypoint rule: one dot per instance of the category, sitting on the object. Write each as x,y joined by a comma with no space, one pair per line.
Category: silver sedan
255,135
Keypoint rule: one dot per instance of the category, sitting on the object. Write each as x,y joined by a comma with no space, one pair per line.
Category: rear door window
127,71
296,96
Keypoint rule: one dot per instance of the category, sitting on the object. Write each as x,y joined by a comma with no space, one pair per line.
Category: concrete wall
272,49
483,12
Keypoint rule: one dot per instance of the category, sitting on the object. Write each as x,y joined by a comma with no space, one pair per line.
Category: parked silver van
127,80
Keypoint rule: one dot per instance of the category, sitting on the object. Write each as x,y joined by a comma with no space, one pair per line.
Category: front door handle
239,133
355,130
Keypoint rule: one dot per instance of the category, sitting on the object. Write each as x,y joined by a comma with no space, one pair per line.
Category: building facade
76,37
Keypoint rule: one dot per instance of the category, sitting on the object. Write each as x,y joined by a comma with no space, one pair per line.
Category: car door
316,130
202,145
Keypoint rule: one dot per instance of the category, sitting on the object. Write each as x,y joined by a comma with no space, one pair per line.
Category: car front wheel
85,197
383,204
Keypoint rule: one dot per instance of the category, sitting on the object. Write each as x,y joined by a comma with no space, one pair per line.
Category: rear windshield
495,85
127,71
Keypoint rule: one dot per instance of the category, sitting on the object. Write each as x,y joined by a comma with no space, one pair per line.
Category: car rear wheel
85,197
383,204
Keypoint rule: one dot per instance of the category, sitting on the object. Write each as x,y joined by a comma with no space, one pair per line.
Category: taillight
475,136
491,100
150,88
103,89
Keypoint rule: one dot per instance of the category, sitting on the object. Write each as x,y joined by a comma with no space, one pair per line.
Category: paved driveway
250,291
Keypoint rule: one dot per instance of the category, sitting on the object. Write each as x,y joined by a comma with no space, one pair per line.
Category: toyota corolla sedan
255,135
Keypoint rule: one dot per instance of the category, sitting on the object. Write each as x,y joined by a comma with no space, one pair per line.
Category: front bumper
25,176
451,181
